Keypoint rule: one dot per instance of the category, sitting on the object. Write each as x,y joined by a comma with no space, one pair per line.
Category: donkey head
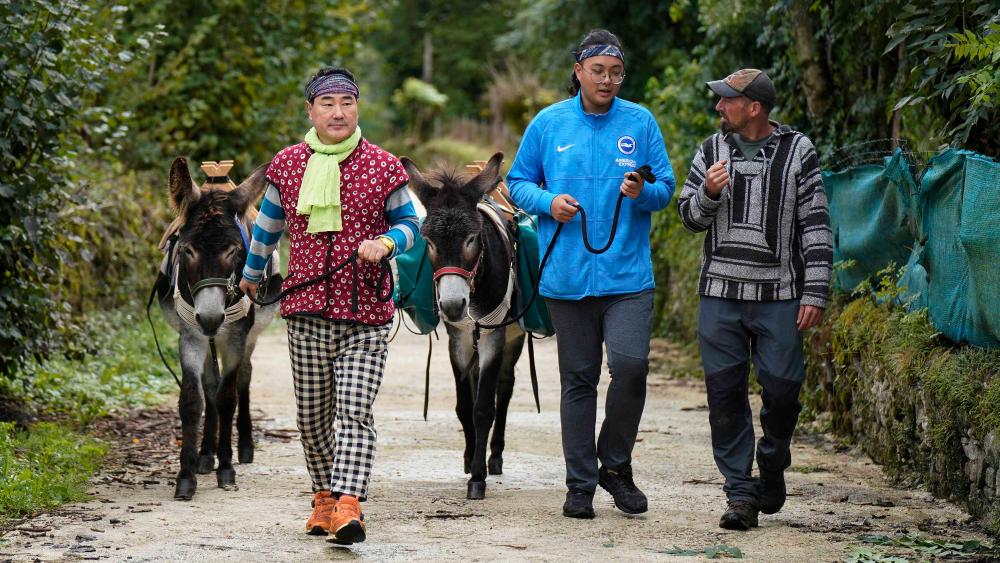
210,244
453,230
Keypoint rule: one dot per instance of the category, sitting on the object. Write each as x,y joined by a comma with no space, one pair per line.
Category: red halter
470,276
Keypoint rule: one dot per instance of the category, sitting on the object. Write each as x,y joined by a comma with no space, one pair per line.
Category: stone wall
926,410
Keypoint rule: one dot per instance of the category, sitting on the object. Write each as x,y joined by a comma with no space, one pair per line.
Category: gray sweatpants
730,333
622,323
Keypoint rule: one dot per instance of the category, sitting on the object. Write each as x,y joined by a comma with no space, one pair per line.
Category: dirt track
417,507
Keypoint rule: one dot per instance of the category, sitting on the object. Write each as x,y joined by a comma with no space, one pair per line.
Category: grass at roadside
44,467
112,366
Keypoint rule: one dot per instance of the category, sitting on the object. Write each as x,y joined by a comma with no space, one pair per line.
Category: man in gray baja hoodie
756,188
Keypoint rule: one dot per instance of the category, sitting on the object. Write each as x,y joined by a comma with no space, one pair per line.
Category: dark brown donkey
472,257
197,291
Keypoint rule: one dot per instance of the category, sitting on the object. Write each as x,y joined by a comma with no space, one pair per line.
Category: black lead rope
385,272
647,174
149,303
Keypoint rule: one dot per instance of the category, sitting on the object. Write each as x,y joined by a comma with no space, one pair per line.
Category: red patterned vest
367,178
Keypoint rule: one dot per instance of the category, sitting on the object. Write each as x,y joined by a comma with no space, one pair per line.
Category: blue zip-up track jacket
568,151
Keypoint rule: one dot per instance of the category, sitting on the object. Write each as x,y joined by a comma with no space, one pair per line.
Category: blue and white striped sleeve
402,217
267,232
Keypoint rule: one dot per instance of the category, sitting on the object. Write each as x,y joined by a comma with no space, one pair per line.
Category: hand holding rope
646,172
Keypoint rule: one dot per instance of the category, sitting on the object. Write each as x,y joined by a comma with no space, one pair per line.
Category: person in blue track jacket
584,151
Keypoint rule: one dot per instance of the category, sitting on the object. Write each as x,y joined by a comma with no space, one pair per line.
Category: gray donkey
206,248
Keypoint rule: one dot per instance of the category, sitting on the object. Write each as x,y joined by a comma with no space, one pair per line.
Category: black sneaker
579,504
619,483
771,492
740,515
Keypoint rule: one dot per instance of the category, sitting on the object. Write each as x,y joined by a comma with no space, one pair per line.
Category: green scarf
319,196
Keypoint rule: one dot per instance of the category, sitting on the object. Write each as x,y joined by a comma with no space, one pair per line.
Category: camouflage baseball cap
749,82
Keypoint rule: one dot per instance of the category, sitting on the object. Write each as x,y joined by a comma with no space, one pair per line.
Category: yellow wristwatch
388,243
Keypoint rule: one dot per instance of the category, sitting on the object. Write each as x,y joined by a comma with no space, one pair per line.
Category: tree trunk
808,54
428,71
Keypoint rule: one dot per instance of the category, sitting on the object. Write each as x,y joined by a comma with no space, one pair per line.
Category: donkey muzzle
453,297
210,309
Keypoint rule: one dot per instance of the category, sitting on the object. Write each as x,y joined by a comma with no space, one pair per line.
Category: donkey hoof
206,463
495,466
185,488
477,490
226,477
246,454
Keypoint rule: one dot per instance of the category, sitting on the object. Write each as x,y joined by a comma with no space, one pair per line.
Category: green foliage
444,153
984,81
458,35
927,546
222,85
420,103
43,468
57,57
941,67
683,109
546,31
115,368
515,95
866,555
711,552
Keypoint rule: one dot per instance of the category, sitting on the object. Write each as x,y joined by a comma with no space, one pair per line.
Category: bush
57,56
115,367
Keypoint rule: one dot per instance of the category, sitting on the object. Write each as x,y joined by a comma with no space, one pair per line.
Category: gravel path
417,507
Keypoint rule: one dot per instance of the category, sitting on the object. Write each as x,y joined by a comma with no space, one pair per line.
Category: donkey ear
247,193
182,187
425,190
485,181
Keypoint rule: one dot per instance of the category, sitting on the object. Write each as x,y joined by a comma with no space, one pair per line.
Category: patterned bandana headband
331,84
599,50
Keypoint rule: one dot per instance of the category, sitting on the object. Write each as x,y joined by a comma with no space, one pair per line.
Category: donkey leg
490,348
225,474
243,424
206,455
505,388
189,405
461,356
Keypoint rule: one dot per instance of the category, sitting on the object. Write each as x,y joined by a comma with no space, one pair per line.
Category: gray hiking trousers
731,332
622,323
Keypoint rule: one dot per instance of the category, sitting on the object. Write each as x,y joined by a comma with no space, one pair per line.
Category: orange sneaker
347,523
323,508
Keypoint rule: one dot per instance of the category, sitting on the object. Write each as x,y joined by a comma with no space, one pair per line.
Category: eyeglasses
599,76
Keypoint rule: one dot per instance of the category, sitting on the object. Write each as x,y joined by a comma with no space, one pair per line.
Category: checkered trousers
337,369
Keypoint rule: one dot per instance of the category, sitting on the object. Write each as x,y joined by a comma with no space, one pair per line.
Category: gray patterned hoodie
769,231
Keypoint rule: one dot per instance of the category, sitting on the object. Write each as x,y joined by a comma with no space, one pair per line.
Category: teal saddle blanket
415,286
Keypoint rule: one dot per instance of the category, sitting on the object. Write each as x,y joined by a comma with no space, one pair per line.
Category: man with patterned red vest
336,194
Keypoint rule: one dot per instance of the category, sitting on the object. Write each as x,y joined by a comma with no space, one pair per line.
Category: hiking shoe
323,506
579,504
739,515
771,492
347,523
628,498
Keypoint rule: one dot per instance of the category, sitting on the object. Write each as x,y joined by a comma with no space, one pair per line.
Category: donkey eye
188,252
471,241
430,246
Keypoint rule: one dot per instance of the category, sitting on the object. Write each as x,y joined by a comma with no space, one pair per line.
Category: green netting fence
944,227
